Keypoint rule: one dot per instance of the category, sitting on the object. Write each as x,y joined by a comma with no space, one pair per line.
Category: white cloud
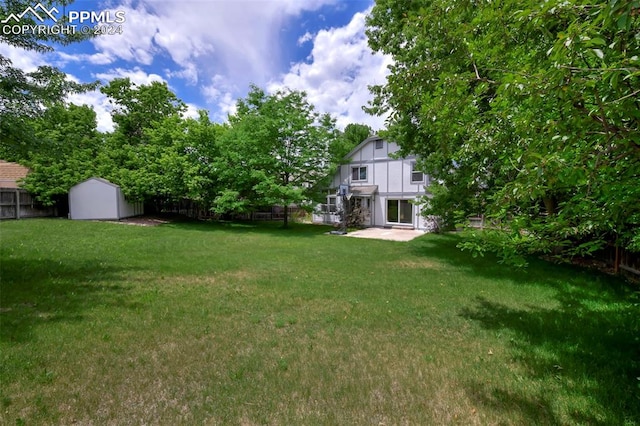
26,60
189,72
192,111
100,104
336,79
221,93
136,75
305,38
95,59
237,42
136,41
236,38
227,105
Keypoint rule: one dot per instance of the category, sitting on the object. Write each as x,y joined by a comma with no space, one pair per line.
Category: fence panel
19,204
8,207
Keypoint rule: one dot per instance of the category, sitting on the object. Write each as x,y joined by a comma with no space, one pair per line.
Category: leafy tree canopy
275,151
25,95
525,111
352,135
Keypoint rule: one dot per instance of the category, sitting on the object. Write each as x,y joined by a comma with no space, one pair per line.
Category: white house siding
391,176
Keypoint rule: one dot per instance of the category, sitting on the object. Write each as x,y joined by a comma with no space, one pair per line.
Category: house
100,199
15,202
384,188
11,173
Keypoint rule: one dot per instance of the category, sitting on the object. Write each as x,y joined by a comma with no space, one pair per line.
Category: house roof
361,144
10,173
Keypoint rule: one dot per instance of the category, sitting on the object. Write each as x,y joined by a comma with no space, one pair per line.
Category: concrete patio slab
386,234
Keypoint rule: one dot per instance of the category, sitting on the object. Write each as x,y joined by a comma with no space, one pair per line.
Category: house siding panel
395,176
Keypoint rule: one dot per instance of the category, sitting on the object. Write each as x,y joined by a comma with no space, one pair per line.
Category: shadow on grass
36,292
589,344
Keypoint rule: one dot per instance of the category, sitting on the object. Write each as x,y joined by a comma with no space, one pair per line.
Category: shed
99,199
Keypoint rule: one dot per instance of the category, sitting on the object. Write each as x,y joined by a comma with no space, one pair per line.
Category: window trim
359,173
414,172
332,204
399,209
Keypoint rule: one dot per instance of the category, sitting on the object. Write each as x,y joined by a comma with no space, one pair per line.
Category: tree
27,95
148,127
184,168
527,112
352,135
274,153
75,151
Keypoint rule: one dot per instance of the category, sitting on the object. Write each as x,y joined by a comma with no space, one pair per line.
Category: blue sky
209,52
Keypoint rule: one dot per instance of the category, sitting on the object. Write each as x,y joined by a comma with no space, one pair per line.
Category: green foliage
155,154
27,95
275,152
74,151
352,135
140,107
526,112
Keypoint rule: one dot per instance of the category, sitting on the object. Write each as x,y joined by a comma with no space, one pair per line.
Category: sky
209,52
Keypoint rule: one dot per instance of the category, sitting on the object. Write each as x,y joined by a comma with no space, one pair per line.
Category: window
358,173
379,144
416,175
331,205
399,211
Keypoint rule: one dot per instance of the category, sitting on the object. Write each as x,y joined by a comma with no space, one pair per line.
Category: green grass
190,323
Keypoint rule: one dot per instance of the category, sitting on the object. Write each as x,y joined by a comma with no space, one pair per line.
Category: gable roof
10,173
361,144
106,182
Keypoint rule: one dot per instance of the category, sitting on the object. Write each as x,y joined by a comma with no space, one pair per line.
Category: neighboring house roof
10,173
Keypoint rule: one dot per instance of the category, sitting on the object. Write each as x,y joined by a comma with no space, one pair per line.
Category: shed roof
106,182
10,173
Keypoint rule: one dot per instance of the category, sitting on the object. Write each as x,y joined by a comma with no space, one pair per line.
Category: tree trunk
286,216
549,205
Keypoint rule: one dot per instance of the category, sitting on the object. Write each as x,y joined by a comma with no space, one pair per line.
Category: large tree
75,151
275,151
148,120
352,135
524,111
25,95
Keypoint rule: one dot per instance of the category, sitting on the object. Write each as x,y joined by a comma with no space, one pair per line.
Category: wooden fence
196,210
19,204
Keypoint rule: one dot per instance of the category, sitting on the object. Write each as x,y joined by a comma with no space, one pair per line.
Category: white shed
99,199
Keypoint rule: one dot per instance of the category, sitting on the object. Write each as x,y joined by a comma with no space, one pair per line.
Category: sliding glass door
399,211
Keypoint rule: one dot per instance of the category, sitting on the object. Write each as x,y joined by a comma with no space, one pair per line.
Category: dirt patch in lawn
142,221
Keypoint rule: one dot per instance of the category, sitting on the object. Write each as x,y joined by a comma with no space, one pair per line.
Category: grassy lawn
238,324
